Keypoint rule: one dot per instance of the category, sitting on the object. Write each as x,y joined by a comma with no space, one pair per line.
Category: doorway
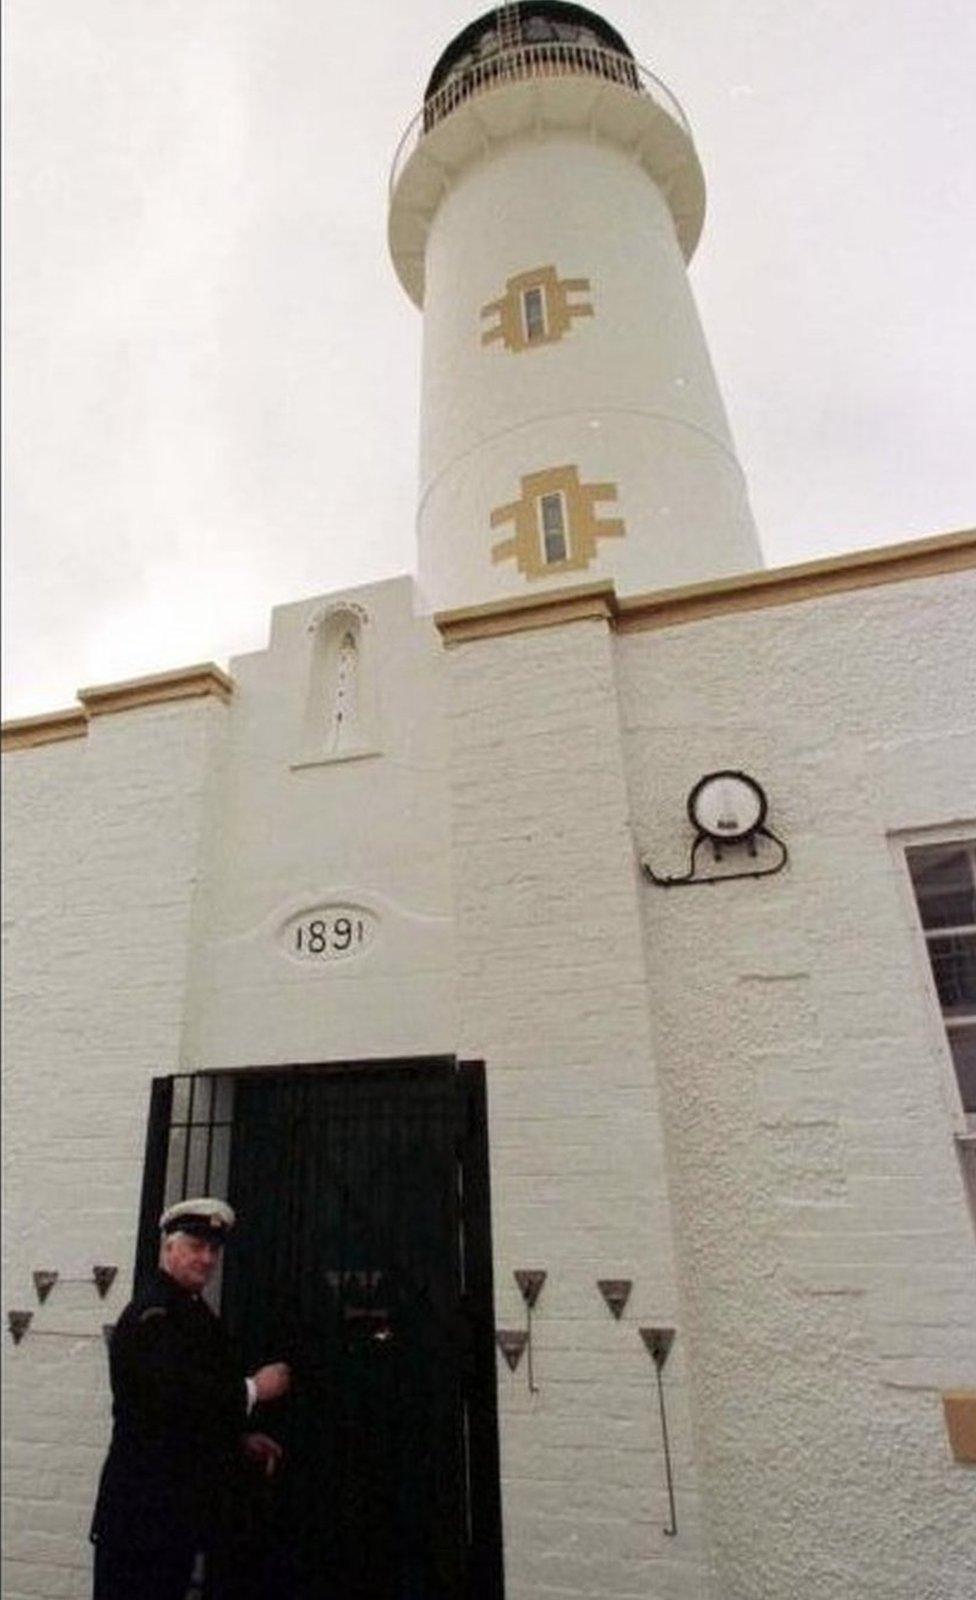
363,1256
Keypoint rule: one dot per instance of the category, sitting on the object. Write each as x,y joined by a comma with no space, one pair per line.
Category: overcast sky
212,373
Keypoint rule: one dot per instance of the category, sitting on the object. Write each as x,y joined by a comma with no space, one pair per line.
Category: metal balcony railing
554,58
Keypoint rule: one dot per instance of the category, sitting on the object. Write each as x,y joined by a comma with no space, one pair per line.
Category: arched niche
339,720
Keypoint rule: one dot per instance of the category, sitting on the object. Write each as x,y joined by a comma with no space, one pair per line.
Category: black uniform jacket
179,1410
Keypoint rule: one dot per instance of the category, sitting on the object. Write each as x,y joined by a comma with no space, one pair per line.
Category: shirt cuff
252,1394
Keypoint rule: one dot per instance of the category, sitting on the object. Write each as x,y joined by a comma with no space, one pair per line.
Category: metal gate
362,1255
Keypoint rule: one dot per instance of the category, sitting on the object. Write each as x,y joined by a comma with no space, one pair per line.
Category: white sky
212,373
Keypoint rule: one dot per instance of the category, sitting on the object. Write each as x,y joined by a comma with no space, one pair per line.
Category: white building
304,914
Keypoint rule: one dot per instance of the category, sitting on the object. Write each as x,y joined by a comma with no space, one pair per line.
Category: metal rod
667,1454
528,1323
210,1134
189,1135
59,1333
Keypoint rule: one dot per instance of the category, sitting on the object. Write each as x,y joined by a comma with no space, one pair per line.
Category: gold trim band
749,591
185,683
783,586
23,732
525,612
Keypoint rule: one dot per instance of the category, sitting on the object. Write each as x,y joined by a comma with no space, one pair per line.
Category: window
944,879
554,544
534,314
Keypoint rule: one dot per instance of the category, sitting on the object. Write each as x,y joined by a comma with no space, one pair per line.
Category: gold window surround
511,328
582,527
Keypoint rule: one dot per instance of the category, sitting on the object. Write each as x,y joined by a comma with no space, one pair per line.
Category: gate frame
486,1568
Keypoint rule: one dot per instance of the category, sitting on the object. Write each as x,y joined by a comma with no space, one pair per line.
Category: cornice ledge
808,580
185,683
22,733
521,613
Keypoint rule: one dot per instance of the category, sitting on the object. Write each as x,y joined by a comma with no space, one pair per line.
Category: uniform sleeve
163,1380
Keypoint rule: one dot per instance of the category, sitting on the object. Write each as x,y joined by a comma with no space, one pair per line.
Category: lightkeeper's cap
201,1219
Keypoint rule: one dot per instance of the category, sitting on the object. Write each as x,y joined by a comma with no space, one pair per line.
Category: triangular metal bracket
511,1342
103,1278
616,1292
530,1284
658,1342
43,1283
19,1322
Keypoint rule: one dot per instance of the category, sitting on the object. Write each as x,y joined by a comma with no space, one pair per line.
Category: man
180,1406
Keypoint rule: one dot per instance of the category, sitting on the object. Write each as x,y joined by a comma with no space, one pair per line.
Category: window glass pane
196,1172
553,528
223,1098
944,885
535,315
962,1042
219,1174
181,1099
174,1167
202,1090
953,958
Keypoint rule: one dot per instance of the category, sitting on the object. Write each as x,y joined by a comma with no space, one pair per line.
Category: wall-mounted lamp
657,1343
530,1281
727,810
511,1342
103,1279
45,1279
19,1322
616,1293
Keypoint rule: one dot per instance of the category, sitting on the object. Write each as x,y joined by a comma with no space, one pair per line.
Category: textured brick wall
103,836
826,1248
734,1096
552,995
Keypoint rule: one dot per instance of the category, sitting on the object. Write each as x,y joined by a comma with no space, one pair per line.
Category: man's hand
271,1382
264,1452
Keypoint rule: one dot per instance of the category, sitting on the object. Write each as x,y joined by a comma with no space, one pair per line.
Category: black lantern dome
531,23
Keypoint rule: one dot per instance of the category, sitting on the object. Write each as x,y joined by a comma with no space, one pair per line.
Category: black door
362,1255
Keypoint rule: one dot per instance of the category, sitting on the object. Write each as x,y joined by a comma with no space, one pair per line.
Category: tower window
944,880
555,546
534,314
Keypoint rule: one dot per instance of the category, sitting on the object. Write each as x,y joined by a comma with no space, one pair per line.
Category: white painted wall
103,839
734,1096
292,829
628,395
152,866
828,1262
552,995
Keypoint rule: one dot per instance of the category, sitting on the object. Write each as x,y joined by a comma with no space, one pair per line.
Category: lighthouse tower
544,206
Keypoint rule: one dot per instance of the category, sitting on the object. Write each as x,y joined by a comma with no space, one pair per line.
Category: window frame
543,334
559,496
939,1024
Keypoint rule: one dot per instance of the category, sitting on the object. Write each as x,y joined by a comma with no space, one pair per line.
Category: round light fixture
727,806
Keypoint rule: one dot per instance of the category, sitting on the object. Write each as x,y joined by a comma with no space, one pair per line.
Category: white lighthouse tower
544,206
